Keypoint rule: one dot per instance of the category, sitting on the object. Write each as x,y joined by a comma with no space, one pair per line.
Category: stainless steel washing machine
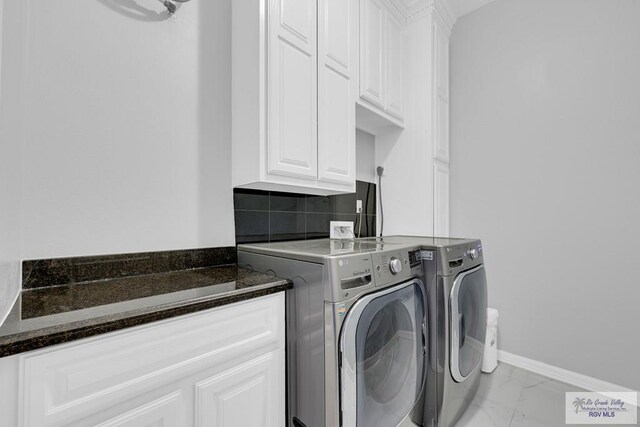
357,331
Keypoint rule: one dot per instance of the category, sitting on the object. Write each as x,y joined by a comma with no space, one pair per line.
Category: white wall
545,148
365,156
10,158
127,143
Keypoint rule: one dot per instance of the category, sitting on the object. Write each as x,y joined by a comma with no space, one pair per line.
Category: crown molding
412,10
418,10
397,7
446,12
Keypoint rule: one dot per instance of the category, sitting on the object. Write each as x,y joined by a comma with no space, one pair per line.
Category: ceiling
462,7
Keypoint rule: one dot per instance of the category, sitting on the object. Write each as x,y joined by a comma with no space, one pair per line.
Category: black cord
380,169
367,231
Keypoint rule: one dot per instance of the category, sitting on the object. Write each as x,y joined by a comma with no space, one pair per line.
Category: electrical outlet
341,230
358,206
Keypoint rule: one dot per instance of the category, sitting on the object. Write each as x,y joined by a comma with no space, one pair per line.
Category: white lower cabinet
241,396
223,367
166,411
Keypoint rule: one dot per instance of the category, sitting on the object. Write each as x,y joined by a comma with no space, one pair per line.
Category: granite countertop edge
47,337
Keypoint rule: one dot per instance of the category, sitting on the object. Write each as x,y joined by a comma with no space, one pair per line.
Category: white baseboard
565,376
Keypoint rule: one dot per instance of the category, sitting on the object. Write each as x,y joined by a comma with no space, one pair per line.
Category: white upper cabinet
336,88
293,90
372,37
293,95
395,69
381,60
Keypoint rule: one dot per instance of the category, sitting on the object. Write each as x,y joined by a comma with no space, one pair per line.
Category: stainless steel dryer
461,289
357,331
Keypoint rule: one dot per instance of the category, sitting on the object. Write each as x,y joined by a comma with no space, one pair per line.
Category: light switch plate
341,230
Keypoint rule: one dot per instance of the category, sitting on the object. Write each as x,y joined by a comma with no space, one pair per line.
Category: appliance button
473,253
395,265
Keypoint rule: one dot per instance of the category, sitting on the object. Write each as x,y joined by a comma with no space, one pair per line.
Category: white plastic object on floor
490,360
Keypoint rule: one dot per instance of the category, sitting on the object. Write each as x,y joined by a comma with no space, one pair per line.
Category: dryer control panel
455,258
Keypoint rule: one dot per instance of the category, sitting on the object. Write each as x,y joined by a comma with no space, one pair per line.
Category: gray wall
545,148
127,136
115,131
10,174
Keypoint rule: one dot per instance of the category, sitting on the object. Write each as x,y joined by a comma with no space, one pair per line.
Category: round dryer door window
385,357
468,322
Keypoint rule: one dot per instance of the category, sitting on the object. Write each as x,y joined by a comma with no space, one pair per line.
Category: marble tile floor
513,397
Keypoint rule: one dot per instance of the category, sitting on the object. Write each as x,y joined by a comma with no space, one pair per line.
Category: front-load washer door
383,349
468,322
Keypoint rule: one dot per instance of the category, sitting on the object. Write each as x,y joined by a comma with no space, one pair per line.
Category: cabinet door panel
395,86
336,94
292,142
336,29
164,412
337,131
221,401
298,18
372,70
441,200
441,60
442,129
441,73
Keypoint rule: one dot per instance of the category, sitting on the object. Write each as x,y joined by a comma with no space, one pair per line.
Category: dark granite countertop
52,315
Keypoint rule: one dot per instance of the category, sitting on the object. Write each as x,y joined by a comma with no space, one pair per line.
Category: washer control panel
395,265
415,258
350,275
391,266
